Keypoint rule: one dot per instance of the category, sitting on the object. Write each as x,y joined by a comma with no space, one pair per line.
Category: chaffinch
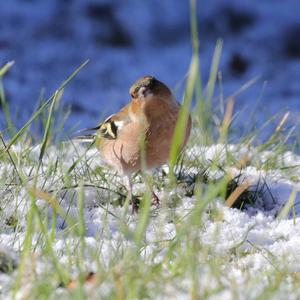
143,129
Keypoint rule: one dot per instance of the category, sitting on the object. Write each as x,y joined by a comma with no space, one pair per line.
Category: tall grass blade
5,68
48,125
181,124
3,102
210,88
16,137
288,205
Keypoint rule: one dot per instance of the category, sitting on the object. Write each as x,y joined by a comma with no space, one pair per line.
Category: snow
260,240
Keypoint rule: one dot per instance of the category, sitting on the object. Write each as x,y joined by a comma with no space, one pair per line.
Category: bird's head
149,86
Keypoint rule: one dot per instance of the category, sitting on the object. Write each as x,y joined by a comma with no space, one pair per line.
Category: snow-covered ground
127,39
253,244
124,40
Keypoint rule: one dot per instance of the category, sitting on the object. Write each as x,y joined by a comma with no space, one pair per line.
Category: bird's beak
85,135
86,130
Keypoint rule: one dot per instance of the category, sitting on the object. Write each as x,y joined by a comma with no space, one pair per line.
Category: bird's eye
150,84
135,92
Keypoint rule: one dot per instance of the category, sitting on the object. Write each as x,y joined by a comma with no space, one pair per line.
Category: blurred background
48,40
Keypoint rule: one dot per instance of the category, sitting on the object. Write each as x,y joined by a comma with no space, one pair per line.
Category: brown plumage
147,122
151,118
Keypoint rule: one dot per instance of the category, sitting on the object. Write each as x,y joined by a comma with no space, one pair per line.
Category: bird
140,134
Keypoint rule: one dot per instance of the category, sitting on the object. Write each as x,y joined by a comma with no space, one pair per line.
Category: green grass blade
11,128
288,205
214,71
48,125
42,108
193,76
144,217
184,112
5,68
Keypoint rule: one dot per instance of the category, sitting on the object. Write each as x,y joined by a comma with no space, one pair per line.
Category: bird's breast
153,135
123,153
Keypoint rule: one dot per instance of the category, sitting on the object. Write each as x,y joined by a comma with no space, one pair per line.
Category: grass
47,192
